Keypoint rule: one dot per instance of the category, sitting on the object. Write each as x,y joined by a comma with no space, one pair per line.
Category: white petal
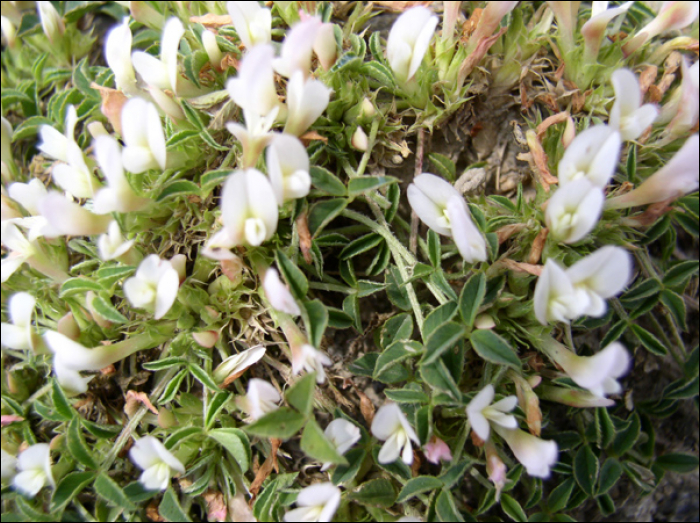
30,482
138,159
261,200
391,450
35,457
254,87
470,243
427,210
217,248
278,294
144,452
342,434
574,210
53,144
21,307
593,154
109,159
140,293
156,477
234,205
480,425
169,45
297,47
306,101
628,97
421,45
606,272
168,286
304,514
69,379
69,219
14,337
319,494
9,465
553,287
507,404
152,70
28,194
166,457
10,264
118,56
156,138
407,454
437,189
504,420
387,422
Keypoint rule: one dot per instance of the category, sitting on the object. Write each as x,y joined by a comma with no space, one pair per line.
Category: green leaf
395,290
318,321
77,446
327,182
181,137
678,462
203,377
399,327
512,508
369,183
170,508
105,309
181,435
315,445
434,248
376,492
676,305
282,423
438,376
351,307
678,275
439,316
609,474
102,431
346,473
407,395
649,341
586,469
61,403
69,487
296,280
455,473
379,72
108,276
301,394
614,333
360,245
215,406
338,319
396,353
471,298
443,339
30,127
644,289
75,286
443,166
445,507
178,188
682,389
491,347
212,179
625,439
165,363
236,442
559,497
322,213
107,489
606,427
632,164
418,486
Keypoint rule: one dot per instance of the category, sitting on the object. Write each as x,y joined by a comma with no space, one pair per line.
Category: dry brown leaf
475,57
216,507
578,101
366,407
417,462
110,370
112,103
134,400
304,237
211,20
535,270
539,159
525,102
651,214
561,117
152,511
261,475
537,247
647,79
476,440
232,269
229,60
310,136
505,232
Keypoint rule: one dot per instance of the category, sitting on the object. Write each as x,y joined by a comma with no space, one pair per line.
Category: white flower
600,275
248,210
672,16
390,425
682,110
325,46
118,196
442,208
20,250
628,115
28,195
593,31
297,48
593,155
118,57
278,294
262,398
254,137
112,245
212,48
678,177
9,31
306,101
65,218
34,470
235,365
157,463
481,412
75,177
143,135
254,88
359,139
288,168
536,455
162,73
305,357
408,41
18,335
54,144
343,435
253,23
596,373
51,21
574,210
9,465
154,286
316,503
555,297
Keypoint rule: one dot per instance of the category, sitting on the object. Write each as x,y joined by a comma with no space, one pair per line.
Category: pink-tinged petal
155,136
437,451
278,294
167,289
152,70
325,46
66,218
593,31
470,243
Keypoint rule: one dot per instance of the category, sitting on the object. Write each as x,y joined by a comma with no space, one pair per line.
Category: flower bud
212,48
409,39
51,22
484,321
9,31
495,468
437,450
325,46
359,139
672,16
